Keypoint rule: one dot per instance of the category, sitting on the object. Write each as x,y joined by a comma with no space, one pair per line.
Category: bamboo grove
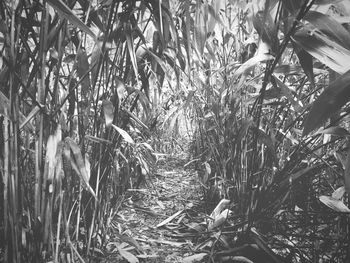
91,90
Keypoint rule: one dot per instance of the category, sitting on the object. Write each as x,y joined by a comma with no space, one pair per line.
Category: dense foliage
89,90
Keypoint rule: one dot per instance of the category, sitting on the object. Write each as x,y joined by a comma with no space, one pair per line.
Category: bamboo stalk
56,253
5,181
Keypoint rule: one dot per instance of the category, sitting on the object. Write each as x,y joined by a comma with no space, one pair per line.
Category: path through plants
160,221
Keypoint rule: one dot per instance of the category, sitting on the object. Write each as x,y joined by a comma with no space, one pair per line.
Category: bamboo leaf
51,152
347,173
287,92
97,140
108,112
68,14
82,66
334,204
250,63
266,28
328,103
187,33
323,48
124,134
160,62
130,45
127,255
79,166
169,219
341,157
200,28
194,258
330,27
335,130
24,121
339,193
269,143
31,115
241,259
305,60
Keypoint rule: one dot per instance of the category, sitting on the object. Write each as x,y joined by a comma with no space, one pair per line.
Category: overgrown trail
158,221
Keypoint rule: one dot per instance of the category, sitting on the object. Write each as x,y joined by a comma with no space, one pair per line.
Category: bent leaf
250,63
124,134
328,103
334,204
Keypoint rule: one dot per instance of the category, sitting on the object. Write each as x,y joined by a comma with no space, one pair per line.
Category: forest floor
160,221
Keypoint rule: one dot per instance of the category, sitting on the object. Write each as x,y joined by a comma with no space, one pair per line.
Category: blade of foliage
324,49
214,11
108,112
335,130
130,45
200,32
96,139
26,122
295,176
82,66
328,103
334,204
330,27
267,140
266,28
124,134
135,118
51,152
286,91
5,110
339,193
347,173
241,259
68,14
250,63
127,255
293,6
186,33
194,258
263,246
78,162
306,60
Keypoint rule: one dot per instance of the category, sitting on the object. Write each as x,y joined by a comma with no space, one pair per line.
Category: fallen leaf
169,219
194,258
128,256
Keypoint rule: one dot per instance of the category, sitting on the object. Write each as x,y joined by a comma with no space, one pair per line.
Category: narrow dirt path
157,223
